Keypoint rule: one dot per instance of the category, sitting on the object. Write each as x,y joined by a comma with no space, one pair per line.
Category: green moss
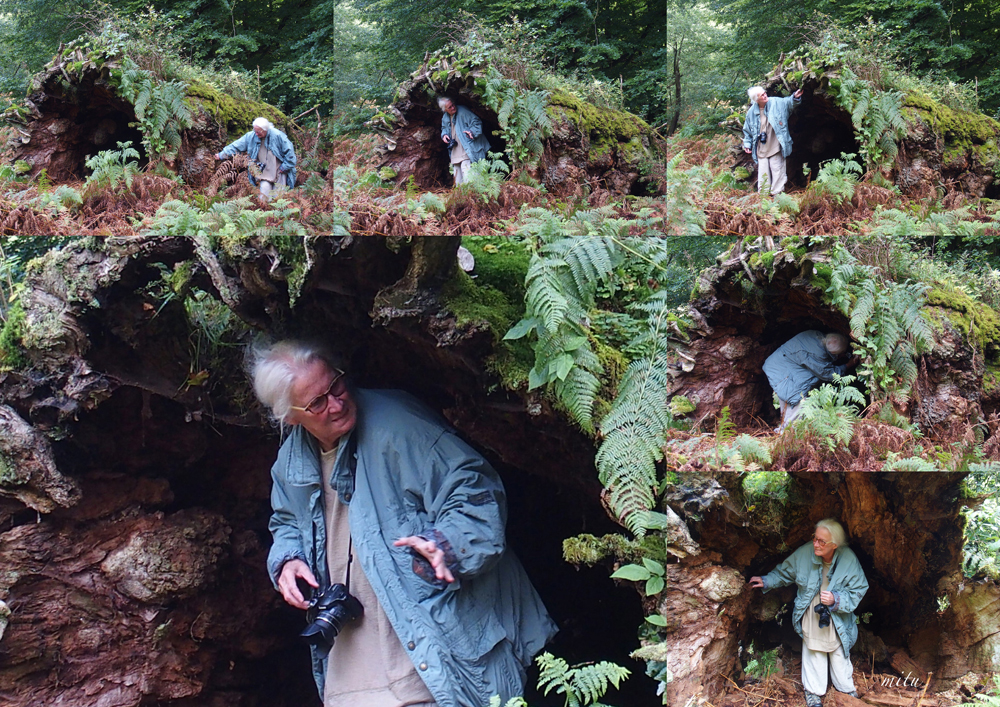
991,380
977,322
236,114
614,364
681,405
961,130
822,276
11,348
601,124
589,549
471,303
8,473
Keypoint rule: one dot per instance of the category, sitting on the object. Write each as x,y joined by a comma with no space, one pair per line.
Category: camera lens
328,613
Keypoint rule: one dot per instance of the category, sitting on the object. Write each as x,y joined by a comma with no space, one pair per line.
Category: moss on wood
237,114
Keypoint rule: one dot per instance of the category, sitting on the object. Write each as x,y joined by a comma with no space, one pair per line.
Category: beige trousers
773,168
789,413
461,170
815,665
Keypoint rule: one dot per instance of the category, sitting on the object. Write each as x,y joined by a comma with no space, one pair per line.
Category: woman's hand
431,552
446,139
757,582
826,598
746,150
289,587
798,94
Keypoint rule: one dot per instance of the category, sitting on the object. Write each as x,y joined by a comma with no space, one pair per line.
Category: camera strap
350,559
352,464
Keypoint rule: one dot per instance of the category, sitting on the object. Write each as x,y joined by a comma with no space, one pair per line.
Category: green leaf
633,573
657,620
654,585
654,566
521,329
536,378
563,364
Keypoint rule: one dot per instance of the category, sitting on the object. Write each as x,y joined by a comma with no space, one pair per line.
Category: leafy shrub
837,179
684,189
110,168
160,109
582,685
830,414
485,178
521,114
761,664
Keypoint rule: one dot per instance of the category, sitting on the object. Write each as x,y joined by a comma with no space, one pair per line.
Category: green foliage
887,325
650,571
635,427
11,350
64,198
485,178
829,414
837,178
523,119
684,187
911,464
111,168
981,552
160,109
877,117
761,664
581,685
428,205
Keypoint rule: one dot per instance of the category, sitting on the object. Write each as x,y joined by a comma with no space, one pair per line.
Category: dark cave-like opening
225,469
89,120
820,131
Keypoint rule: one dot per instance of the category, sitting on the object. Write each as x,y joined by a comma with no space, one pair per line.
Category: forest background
347,57
719,48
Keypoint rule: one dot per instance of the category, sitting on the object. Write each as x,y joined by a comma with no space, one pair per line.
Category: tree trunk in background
677,91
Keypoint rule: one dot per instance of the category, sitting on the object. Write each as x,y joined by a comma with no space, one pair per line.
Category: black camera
763,137
327,614
825,616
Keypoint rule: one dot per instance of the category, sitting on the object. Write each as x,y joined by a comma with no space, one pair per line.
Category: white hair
275,368
835,343
263,123
754,93
837,533
442,100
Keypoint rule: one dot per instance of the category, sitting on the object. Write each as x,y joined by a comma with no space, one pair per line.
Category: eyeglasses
822,543
338,386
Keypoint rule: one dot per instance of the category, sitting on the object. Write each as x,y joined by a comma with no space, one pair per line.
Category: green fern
485,178
877,117
522,115
111,168
886,324
63,198
160,107
830,413
911,464
581,685
837,178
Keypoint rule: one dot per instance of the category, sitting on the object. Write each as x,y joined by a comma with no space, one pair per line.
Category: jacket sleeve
287,154
467,507
850,594
284,528
240,145
473,124
782,575
445,125
747,135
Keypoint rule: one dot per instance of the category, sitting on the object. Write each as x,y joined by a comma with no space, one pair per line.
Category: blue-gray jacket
465,119
847,583
470,639
777,115
799,365
275,141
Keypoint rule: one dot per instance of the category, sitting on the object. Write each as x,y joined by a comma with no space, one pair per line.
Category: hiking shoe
813,700
853,693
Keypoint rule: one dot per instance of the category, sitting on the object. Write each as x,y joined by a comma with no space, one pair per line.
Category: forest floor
338,176
847,206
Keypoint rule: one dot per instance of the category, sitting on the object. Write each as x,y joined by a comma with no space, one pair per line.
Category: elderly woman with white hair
462,132
800,364
831,584
766,136
271,151
376,496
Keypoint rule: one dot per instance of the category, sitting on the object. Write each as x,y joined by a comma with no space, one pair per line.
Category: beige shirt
772,146
368,666
270,162
458,153
819,639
